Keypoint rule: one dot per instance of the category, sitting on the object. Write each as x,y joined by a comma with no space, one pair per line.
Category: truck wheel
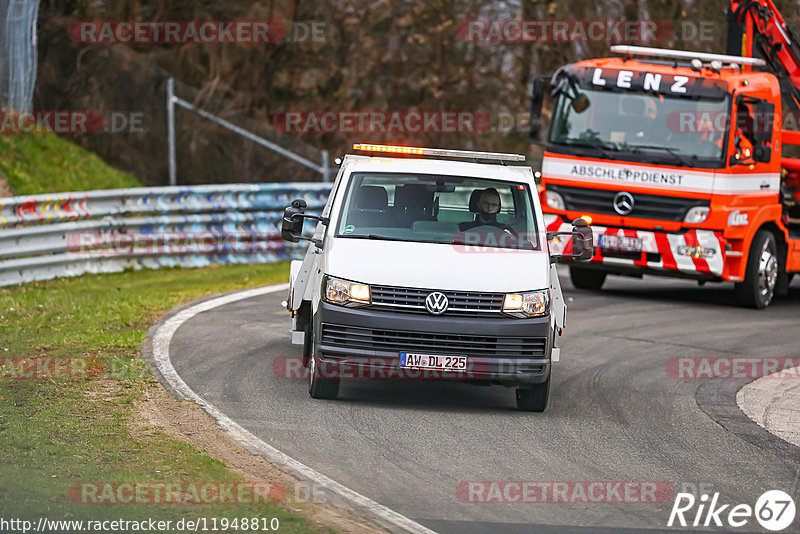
318,387
533,398
584,278
761,276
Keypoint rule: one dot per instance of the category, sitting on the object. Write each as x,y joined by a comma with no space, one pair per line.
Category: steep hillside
46,163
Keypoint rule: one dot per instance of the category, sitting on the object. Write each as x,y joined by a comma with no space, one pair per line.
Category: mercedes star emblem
623,203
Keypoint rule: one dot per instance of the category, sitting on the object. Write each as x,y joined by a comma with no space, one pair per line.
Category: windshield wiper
671,151
387,238
598,145
377,236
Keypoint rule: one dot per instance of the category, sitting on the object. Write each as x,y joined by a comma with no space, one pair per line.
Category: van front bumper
366,343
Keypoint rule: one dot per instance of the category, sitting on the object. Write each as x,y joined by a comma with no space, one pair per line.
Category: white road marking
161,342
770,402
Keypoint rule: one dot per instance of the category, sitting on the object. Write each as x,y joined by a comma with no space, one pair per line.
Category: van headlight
529,304
344,292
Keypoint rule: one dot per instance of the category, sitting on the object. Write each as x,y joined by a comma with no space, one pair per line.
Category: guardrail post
173,179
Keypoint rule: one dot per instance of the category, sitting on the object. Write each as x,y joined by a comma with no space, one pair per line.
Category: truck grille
462,303
353,337
644,206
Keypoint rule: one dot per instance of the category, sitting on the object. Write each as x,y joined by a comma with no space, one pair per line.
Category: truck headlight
529,304
344,292
696,214
554,200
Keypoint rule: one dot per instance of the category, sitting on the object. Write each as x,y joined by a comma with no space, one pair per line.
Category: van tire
584,278
318,387
761,275
534,398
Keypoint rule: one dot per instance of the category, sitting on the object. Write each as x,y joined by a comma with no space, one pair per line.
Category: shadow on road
680,292
429,395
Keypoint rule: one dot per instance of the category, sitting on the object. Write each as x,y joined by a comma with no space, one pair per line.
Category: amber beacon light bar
440,152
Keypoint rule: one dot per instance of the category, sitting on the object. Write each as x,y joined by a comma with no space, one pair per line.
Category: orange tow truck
676,158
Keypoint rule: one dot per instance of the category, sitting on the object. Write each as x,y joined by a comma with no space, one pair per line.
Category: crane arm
757,29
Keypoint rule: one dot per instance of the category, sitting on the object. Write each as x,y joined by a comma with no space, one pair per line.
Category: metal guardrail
68,234
323,168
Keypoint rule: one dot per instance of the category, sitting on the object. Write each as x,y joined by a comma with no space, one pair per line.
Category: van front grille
461,303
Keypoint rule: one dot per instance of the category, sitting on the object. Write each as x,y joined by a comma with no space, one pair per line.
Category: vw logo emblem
623,203
436,303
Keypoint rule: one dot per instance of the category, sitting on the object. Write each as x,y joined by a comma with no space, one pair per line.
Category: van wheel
534,398
584,278
761,276
318,387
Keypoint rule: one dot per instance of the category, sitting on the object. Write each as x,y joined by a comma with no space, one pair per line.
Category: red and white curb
161,342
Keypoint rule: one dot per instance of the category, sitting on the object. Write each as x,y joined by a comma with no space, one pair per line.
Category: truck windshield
642,126
439,209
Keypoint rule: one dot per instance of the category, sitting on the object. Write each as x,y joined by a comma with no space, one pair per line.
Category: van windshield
439,209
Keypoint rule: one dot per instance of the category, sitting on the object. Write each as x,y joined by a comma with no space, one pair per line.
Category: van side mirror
582,240
292,223
582,243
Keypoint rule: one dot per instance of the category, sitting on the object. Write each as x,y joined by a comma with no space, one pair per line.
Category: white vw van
430,264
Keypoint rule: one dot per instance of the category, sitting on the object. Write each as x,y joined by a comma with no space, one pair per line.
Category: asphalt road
616,414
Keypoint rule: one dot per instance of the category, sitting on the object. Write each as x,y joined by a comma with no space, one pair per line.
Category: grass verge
45,163
57,433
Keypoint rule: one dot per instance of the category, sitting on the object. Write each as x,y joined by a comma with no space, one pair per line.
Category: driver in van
488,208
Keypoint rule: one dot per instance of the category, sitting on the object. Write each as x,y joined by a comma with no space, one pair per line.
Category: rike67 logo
774,511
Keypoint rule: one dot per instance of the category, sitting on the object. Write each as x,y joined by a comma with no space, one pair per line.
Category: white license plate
433,361
621,243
